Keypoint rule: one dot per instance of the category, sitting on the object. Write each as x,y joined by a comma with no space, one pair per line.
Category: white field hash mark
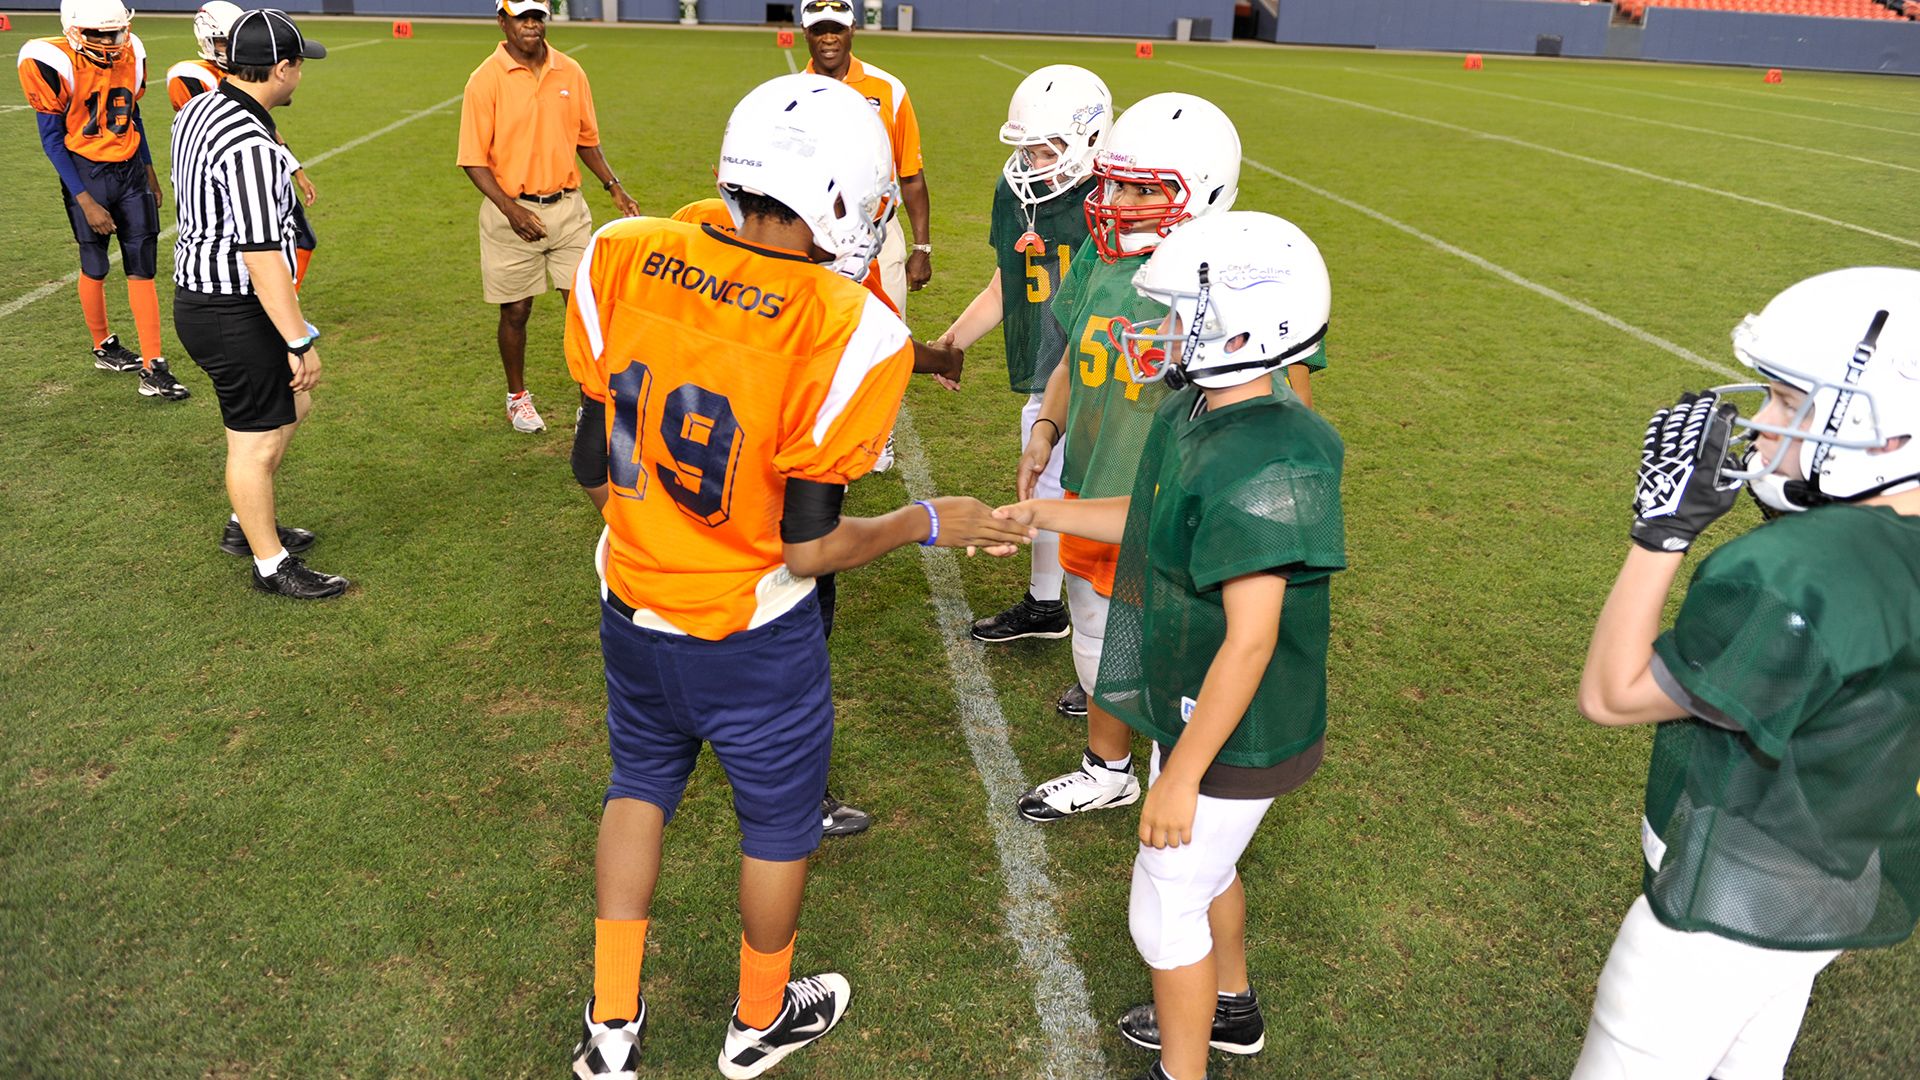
1640,120
51,287
1059,987
1497,270
1557,152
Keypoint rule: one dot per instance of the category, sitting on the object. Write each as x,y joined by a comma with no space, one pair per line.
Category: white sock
235,518
1045,581
271,563
1125,764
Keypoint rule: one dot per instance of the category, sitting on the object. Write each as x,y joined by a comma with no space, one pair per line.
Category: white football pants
1044,583
1173,887
1089,612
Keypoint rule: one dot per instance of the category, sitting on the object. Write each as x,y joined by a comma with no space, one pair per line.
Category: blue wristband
933,522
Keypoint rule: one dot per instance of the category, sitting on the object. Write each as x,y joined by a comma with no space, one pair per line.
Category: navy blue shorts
761,697
120,187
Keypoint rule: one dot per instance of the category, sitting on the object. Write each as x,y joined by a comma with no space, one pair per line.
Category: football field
245,837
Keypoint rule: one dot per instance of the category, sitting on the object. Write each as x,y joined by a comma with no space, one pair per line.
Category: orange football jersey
714,212
97,100
190,77
727,369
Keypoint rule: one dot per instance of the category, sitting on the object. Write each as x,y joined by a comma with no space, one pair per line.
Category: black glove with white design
1680,490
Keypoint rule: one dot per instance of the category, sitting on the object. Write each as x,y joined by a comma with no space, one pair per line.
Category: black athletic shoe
233,540
1028,618
1154,1072
1072,701
158,381
299,581
812,1006
113,356
1237,1025
841,819
609,1051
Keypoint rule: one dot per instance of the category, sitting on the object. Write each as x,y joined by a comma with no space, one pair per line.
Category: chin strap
1269,361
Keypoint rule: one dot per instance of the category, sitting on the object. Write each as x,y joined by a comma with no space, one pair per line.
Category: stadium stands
1831,9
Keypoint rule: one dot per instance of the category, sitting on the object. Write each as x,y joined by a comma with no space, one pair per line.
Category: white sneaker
812,1006
885,460
609,1051
1092,786
525,417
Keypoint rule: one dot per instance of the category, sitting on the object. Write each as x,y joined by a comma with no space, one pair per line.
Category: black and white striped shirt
232,191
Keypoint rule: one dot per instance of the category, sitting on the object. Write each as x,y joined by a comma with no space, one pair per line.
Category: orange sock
763,983
93,304
301,257
618,947
145,303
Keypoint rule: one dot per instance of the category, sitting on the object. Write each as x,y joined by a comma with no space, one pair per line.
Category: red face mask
1107,222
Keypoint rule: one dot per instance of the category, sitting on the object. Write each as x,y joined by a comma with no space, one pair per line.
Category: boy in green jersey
1217,638
1056,122
1169,159
1783,798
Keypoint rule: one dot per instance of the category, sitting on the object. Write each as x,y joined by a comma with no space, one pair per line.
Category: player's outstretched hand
1033,461
969,523
1680,490
945,341
1020,513
525,223
1166,817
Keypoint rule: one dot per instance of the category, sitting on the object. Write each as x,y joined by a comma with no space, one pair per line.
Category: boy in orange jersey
745,386
86,87
189,78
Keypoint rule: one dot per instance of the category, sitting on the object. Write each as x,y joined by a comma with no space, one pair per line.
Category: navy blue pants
120,187
763,699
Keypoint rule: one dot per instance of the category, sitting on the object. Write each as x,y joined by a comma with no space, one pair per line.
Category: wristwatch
608,184
926,248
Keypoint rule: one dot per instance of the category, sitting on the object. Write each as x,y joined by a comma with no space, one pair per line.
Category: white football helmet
108,16
1180,142
210,26
1230,274
1850,340
1062,106
817,146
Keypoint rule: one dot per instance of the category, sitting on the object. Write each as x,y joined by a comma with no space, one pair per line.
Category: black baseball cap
266,36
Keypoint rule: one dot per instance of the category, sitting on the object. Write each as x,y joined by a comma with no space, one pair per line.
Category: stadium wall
1783,41
1674,34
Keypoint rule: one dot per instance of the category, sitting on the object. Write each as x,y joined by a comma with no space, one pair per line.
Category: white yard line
1612,115
1557,152
1072,1039
331,49
20,302
1502,272
1001,63
792,68
1609,88
1778,95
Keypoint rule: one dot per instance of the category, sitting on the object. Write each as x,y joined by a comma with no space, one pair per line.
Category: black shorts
235,343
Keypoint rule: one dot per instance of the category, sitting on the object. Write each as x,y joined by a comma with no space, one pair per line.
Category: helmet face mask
816,146
97,29
1170,158
210,27
1842,348
1056,122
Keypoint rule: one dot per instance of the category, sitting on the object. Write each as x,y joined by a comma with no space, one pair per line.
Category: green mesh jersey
1250,487
1030,280
1108,414
1786,814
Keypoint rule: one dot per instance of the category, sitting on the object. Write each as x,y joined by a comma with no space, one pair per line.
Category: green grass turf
241,837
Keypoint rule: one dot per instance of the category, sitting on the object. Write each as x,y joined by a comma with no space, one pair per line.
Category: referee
234,306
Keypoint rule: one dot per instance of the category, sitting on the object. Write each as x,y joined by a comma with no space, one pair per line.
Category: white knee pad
1173,887
1044,583
1089,611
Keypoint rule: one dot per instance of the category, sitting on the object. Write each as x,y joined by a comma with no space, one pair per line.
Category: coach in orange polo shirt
528,111
829,27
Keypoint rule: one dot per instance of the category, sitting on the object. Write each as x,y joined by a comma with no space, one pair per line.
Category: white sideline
1059,987
1002,63
1497,270
1638,119
20,302
1568,154
1583,84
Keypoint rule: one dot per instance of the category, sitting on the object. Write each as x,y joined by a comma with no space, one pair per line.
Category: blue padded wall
1509,26
1784,41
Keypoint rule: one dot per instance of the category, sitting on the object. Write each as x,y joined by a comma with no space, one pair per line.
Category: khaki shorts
513,269
892,264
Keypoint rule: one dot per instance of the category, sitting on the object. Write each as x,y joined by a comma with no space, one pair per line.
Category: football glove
1680,490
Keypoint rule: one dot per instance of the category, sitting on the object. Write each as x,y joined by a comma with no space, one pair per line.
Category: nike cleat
812,1006
1092,786
1027,619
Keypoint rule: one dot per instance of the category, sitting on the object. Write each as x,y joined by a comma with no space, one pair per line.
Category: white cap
517,8
813,12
